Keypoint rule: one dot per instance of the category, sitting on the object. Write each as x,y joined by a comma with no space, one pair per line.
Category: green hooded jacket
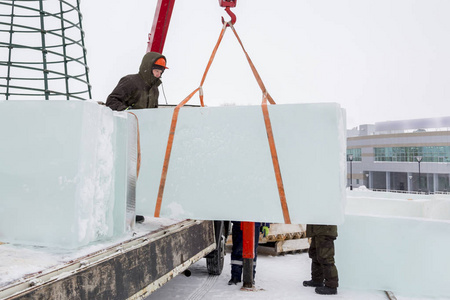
137,91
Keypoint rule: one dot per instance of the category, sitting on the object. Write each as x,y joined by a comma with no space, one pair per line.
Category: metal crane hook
231,14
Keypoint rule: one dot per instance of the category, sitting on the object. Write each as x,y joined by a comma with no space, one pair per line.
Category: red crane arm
161,21
157,36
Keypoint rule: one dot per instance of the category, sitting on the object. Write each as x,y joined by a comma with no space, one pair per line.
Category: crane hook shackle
231,14
228,4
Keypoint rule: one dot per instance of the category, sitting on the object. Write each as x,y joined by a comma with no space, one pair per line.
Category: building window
409,154
356,152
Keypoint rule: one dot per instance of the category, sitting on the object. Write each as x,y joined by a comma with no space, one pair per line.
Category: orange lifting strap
266,97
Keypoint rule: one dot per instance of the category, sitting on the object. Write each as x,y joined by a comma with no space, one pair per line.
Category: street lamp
350,158
367,179
419,159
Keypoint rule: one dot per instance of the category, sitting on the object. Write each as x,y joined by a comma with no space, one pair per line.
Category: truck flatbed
129,267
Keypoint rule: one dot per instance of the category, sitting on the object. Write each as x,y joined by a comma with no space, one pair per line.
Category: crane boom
161,21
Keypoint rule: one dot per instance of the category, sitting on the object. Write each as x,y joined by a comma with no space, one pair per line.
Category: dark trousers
236,254
321,251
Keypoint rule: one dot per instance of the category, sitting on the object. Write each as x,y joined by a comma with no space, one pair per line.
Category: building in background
400,156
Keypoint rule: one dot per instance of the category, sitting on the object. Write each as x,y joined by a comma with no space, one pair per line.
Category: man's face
157,73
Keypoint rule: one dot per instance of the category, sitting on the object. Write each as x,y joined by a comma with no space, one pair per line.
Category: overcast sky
381,60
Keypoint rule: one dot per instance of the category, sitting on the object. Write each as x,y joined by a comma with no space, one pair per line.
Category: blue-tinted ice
395,242
221,167
64,172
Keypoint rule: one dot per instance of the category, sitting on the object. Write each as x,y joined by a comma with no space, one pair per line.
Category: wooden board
281,232
282,247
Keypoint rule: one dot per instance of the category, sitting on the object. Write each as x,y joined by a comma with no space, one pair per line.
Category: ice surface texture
57,172
221,167
68,168
399,245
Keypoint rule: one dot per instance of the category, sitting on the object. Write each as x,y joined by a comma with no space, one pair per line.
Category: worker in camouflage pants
324,274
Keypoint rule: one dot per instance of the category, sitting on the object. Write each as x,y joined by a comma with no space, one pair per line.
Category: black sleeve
119,98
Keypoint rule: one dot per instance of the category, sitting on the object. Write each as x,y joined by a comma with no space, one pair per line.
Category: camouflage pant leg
316,268
325,256
323,265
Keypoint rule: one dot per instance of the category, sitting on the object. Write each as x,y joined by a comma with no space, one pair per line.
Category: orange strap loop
173,126
273,149
265,110
276,164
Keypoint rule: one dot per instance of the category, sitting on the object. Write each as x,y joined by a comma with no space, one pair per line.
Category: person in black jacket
137,91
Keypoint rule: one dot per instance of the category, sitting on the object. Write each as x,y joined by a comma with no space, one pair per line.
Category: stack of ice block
221,166
68,168
64,172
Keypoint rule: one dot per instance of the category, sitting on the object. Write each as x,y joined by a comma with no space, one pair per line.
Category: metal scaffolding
42,51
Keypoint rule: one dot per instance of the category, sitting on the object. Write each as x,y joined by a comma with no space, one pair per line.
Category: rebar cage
42,51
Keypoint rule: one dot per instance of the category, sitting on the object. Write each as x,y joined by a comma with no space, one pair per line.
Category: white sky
380,59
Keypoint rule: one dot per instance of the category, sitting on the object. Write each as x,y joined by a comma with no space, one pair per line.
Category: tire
214,263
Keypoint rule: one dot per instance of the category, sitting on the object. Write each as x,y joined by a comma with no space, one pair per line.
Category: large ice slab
68,168
125,171
394,244
58,175
221,167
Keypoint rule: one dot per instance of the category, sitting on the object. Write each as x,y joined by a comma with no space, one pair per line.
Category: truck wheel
215,262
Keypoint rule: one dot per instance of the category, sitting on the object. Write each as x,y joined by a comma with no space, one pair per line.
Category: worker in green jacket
137,91
324,274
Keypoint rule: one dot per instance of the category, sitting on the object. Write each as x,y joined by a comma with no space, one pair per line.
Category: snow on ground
277,277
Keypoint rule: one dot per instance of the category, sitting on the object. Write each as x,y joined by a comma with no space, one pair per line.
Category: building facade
400,156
